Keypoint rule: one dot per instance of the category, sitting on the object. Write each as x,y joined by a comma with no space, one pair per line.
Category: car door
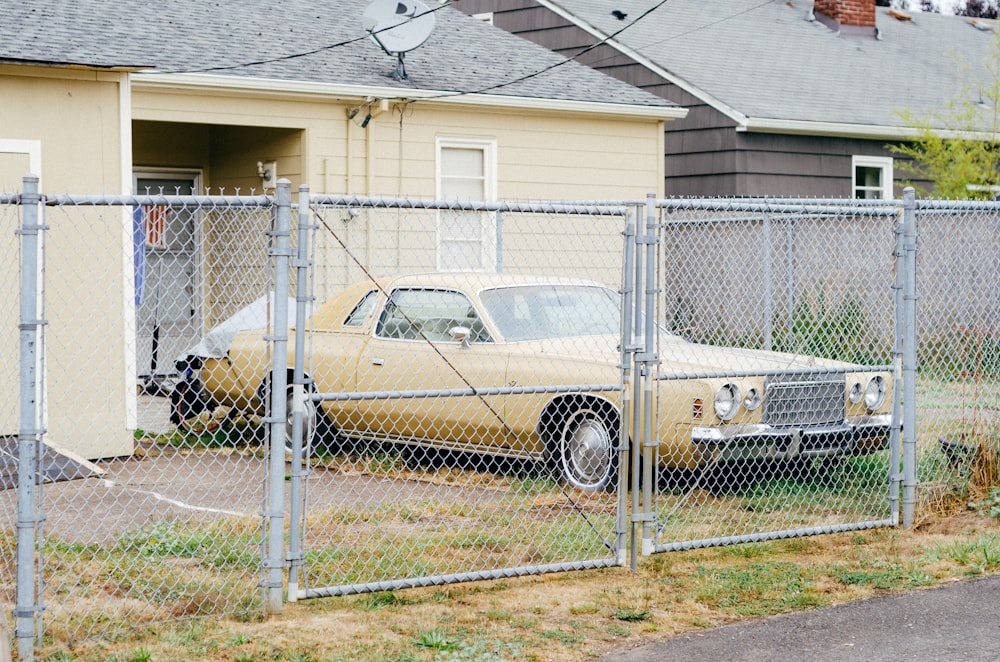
413,354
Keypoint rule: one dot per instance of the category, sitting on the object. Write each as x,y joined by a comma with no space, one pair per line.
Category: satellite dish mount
397,27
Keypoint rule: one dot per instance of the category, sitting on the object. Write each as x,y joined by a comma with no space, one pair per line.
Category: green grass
976,556
756,589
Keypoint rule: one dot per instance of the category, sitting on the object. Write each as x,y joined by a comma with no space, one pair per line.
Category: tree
980,8
958,148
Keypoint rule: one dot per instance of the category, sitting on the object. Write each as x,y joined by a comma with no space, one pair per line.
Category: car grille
800,400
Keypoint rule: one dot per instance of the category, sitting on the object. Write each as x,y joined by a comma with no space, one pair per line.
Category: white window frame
30,148
488,259
883,163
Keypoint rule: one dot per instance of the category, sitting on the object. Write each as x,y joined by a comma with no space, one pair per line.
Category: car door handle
378,361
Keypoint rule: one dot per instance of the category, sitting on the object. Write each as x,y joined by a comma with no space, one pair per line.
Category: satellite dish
398,26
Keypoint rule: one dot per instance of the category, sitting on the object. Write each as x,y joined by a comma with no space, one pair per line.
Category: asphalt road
959,621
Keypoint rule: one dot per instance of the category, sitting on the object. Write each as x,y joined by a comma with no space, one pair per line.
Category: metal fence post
649,362
895,457
28,605
627,472
300,394
281,252
909,356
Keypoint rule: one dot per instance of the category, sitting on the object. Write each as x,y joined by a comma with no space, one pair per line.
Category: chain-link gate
772,393
471,418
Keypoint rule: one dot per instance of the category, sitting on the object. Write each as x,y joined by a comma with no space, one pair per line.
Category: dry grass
584,615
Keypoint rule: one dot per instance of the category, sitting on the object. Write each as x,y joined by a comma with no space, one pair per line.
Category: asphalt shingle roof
225,37
764,59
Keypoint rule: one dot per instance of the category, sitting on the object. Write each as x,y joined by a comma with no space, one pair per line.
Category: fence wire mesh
471,416
152,507
774,400
465,411
9,411
958,353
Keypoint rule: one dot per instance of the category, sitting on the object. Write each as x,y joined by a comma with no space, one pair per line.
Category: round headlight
752,399
727,401
856,394
875,392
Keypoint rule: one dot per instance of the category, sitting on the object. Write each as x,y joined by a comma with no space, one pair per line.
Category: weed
562,637
239,639
436,640
379,600
977,556
631,615
990,506
142,655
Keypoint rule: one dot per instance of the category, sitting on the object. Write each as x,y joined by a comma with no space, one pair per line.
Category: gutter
269,87
847,130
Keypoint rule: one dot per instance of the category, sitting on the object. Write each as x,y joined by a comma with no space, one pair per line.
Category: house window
871,177
466,172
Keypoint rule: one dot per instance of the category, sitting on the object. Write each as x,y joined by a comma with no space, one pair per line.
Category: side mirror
461,334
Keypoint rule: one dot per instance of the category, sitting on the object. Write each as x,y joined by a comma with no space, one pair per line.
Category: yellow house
230,96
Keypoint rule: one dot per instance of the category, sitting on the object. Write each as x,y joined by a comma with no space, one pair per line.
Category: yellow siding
76,116
541,154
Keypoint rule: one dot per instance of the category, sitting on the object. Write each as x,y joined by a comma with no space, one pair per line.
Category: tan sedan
528,368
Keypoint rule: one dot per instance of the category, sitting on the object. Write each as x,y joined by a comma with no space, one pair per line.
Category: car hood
676,355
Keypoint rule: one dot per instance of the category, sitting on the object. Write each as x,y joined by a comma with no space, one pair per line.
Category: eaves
290,89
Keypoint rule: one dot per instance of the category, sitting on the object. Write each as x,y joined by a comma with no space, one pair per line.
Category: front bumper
855,436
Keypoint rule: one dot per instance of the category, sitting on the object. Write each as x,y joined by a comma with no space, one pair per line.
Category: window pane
463,162
461,225
461,256
462,189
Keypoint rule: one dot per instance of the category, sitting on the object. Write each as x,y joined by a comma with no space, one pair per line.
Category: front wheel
588,459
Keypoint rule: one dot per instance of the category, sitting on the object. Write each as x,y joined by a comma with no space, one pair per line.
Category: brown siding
704,154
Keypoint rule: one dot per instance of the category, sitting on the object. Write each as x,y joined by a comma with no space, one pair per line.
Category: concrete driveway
957,622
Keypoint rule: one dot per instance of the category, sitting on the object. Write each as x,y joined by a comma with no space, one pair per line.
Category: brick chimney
853,18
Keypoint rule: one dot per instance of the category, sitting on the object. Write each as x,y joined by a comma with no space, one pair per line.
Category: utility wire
498,86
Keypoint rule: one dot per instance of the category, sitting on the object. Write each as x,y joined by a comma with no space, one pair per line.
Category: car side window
429,314
362,310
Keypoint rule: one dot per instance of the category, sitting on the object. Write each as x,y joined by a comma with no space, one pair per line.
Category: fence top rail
159,199
784,206
958,205
590,208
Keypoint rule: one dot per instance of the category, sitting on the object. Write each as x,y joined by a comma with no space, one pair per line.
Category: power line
293,56
489,88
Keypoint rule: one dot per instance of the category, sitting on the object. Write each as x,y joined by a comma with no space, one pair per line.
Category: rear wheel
586,451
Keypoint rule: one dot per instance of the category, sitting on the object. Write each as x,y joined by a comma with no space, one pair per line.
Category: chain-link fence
470,391
958,353
145,515
775,391
9,411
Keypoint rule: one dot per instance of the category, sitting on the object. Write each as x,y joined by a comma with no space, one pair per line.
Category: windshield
535,312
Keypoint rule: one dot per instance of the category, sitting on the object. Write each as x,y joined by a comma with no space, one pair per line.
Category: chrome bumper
858,435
